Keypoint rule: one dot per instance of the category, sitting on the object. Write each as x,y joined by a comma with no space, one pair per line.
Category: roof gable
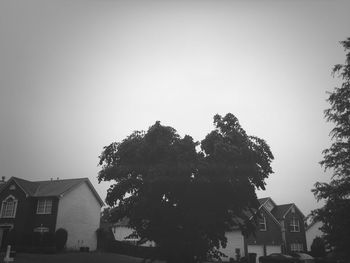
281,211
267,202
52,187
271,216
278,212
57,187
26,186
262,202
296,210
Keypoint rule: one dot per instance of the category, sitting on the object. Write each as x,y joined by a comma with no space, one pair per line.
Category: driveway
93,257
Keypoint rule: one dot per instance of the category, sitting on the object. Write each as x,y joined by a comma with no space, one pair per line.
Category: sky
78,75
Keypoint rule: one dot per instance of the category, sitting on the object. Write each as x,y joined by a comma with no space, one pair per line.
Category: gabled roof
263,200
280,210
272,216
27,186
2,185
51,187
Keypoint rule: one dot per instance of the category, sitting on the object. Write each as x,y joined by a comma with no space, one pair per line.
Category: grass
75,257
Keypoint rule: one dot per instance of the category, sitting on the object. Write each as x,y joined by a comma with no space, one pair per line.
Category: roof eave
20,186
293,205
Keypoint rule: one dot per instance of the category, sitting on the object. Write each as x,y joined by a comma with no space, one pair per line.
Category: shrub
61,236
104,238
318,247
11,238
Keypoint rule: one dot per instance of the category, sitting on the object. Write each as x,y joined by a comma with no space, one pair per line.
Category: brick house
44,206
280,230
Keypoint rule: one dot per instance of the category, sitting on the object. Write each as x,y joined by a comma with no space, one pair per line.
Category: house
122,231
30,207
312,231
280,229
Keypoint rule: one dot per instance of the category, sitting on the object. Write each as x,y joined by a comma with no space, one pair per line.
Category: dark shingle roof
28,186
57,187
280,210
263,200
2,184
51,187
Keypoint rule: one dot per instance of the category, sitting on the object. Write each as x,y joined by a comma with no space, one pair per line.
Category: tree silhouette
318,248
335,215
183,199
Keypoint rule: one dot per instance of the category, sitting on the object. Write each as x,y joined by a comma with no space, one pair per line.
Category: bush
104,238
318,248
61,236
10,239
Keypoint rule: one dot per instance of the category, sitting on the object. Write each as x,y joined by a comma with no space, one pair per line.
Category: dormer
269,204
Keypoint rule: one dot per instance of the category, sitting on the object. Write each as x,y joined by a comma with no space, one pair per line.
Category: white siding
235,241
257,249
312,232
121,232
273,249
79,214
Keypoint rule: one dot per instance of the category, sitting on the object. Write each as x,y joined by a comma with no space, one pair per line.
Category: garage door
273,249
257,249
235,243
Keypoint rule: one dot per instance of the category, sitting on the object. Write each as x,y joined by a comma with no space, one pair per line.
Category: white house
122,231
313,231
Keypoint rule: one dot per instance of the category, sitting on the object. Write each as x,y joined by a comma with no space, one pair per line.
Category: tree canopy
335,215
182,198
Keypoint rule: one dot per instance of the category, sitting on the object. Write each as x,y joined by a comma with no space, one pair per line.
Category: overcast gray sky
77,75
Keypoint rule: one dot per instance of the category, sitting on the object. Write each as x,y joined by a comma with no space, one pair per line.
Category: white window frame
4,207
47,203
262,223
296,247
294,225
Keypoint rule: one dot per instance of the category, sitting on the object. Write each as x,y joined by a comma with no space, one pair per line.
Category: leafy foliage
318,248
336,213
106,215
181,198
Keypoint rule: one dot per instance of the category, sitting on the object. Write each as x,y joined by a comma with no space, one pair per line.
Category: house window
296,247
262,223
294,225
9,207
44,206
268,205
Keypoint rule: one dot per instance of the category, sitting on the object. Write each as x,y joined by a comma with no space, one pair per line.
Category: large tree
336,212
182,198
